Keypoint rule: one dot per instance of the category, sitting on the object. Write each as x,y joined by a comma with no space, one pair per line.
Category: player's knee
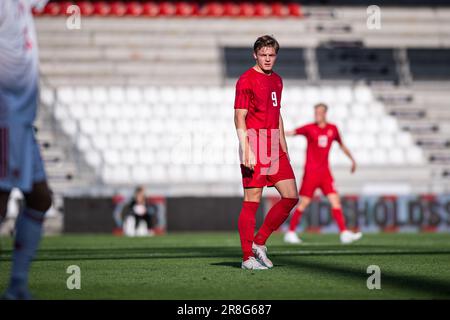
335,201
291,194
254,196
304,203
295,196
42,204
40,199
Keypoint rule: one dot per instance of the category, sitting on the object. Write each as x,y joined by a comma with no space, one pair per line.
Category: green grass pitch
207,266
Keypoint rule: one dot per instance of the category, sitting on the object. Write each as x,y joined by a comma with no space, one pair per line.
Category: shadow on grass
436,288
231,264
215,252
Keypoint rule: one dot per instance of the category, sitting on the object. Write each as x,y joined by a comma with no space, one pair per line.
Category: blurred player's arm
282,136
38,4
349,155
346,152
298,131
249,159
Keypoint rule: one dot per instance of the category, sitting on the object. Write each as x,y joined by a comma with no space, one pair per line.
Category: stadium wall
389,213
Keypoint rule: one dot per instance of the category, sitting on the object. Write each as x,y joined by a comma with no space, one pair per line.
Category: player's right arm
242,105
248,157
299,131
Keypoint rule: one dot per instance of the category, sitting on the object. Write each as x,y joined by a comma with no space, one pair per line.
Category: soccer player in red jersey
263,152
317,174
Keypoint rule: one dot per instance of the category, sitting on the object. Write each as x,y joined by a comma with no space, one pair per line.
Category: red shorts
322,180
262,176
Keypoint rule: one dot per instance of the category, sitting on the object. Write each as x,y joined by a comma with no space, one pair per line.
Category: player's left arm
346,151
282,136
38,4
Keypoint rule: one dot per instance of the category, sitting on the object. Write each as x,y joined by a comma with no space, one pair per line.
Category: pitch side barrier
388,213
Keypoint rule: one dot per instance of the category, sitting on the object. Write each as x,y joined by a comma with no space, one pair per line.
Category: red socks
246,227
339,218
295,219
275,217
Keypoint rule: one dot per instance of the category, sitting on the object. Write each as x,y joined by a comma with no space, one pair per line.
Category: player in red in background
263,151
317,174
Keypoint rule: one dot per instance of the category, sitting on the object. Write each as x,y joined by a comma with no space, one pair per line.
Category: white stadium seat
414,155
117,95
66,95
186,134
404,139
83,95
363,94
379,156
99,95
397,156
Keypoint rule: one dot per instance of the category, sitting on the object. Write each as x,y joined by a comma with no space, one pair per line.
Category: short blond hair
266,41
321,104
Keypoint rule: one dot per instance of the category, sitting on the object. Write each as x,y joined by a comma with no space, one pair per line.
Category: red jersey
260,94
319,144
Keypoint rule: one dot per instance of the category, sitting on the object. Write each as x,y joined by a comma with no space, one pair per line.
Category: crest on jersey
330,132
323,141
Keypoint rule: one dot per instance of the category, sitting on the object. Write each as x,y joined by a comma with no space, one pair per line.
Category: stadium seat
369,141
246,9
262,9
371,125
83,143
389,124
102,8
363,157
414,155
344,95
77,111
295,9
118,9
167,8
230,9
94,159
280,10
64,6
150,9
70,127
404,139
134,8
151,127
99,95
363,94
186,9
386,140
100,142
379,156
83,95
53,9
140,174
396,156
87,8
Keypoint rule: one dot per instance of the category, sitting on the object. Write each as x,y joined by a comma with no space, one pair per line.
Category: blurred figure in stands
141,211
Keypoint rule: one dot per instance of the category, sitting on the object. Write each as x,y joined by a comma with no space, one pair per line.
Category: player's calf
28,235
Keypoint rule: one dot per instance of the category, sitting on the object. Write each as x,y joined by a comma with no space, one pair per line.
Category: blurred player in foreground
20,160
263,151
317,174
